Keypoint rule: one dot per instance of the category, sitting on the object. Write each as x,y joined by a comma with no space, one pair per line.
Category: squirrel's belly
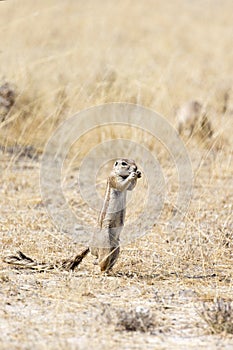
114,220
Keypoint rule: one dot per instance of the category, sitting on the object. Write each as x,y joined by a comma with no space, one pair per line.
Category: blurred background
60,57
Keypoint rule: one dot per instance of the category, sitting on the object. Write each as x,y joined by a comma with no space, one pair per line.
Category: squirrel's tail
72,263
22,261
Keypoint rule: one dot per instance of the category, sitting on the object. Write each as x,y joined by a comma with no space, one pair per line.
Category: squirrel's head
124,167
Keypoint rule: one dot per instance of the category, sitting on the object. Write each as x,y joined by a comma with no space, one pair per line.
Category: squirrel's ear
116,163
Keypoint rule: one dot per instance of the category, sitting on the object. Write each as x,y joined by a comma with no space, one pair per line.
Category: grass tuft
219,316
139,319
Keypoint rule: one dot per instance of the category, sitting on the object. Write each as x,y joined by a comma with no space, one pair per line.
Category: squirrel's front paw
132,175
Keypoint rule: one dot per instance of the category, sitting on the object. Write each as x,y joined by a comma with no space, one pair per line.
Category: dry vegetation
61,57
219,316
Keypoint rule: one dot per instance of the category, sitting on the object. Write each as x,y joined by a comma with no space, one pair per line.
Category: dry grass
219,316
139,319
63,57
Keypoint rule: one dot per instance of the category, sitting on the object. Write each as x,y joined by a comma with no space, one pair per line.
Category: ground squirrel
192,119
105,244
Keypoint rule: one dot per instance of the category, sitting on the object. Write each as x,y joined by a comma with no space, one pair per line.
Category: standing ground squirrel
105,244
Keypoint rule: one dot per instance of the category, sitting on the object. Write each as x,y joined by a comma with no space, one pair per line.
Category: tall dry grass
67,56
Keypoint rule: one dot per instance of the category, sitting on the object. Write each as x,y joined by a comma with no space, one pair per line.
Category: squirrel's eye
116,163
124,163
